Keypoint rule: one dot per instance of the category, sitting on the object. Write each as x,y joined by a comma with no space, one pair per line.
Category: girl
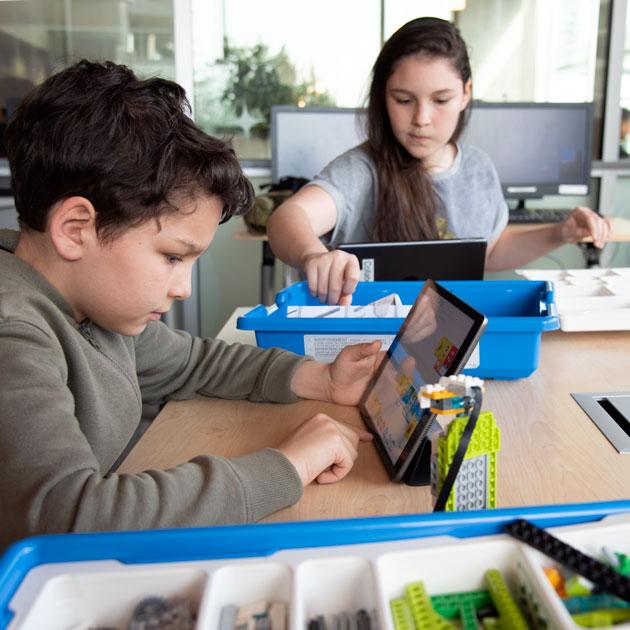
411,179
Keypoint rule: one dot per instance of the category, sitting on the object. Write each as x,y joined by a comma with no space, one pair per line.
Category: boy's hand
582,223
323,449
351,371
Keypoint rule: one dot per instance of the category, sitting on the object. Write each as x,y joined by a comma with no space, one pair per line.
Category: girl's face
424,98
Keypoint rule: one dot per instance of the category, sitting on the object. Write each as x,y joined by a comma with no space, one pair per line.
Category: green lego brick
424,617
462,606
485,441
623,563
492,480
510,616
575,586
401,613
448,605
486,437
602,618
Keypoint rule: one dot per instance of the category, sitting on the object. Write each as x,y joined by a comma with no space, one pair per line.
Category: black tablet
435,340
448,259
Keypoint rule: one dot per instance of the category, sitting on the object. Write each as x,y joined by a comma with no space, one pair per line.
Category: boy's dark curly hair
95,130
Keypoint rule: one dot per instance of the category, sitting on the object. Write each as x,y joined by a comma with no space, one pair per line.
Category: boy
118,193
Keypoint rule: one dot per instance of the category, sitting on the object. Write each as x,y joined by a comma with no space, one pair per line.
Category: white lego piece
432,389
460,384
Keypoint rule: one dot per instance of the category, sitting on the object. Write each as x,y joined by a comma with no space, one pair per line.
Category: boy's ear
72,227
467,93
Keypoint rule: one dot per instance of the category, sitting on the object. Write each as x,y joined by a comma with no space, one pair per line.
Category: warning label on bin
473,359
325,348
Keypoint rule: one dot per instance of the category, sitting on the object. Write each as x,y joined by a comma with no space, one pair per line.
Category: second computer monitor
305,139
537,148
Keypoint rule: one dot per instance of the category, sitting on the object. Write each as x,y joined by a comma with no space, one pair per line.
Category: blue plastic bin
518,311
77,555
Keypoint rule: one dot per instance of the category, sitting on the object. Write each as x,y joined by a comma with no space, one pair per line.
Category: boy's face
134,279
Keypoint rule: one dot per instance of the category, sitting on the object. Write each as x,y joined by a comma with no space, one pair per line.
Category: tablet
435,340
448,259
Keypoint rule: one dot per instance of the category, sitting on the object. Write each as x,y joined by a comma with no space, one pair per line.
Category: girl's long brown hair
406,203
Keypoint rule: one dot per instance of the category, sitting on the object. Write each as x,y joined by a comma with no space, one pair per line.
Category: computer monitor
305,139
8,106
537,148
5,177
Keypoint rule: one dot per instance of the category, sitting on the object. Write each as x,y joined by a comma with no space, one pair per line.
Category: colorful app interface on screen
432,337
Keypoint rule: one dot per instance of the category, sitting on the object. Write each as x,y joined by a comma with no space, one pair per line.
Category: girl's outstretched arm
516,248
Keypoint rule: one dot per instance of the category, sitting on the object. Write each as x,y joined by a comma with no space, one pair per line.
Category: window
249,55
39,37
624,129
532,50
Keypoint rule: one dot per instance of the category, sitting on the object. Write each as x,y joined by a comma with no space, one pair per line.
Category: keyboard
538,215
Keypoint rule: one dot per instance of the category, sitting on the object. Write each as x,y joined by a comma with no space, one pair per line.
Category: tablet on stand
436,339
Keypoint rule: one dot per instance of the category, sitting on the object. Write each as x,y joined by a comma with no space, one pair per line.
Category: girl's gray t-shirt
473,203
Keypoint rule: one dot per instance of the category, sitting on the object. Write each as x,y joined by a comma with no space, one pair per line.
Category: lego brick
589,603
510,616
475,484
401,614
602,618
471,486
485,437
597,572
462,607
421,610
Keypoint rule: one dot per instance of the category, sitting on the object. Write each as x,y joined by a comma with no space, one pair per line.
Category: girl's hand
582,223
332,276
351,371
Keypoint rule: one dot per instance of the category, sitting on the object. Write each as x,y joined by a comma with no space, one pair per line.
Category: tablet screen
435,339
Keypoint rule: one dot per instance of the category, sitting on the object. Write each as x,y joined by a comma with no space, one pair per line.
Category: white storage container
311,581
589,299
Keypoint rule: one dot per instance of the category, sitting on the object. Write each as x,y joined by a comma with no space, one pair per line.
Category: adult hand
323,449
349,374
582,223
332,276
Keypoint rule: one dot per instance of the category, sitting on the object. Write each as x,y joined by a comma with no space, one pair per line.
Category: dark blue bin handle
548,301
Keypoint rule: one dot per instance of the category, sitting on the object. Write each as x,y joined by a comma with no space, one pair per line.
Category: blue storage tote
518,311
314,567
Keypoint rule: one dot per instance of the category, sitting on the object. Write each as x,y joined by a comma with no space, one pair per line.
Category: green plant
257,80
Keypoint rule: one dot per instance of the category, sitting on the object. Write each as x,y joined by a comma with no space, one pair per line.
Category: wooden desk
551,451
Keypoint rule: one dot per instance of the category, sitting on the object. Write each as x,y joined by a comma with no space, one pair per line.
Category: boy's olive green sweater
71,398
